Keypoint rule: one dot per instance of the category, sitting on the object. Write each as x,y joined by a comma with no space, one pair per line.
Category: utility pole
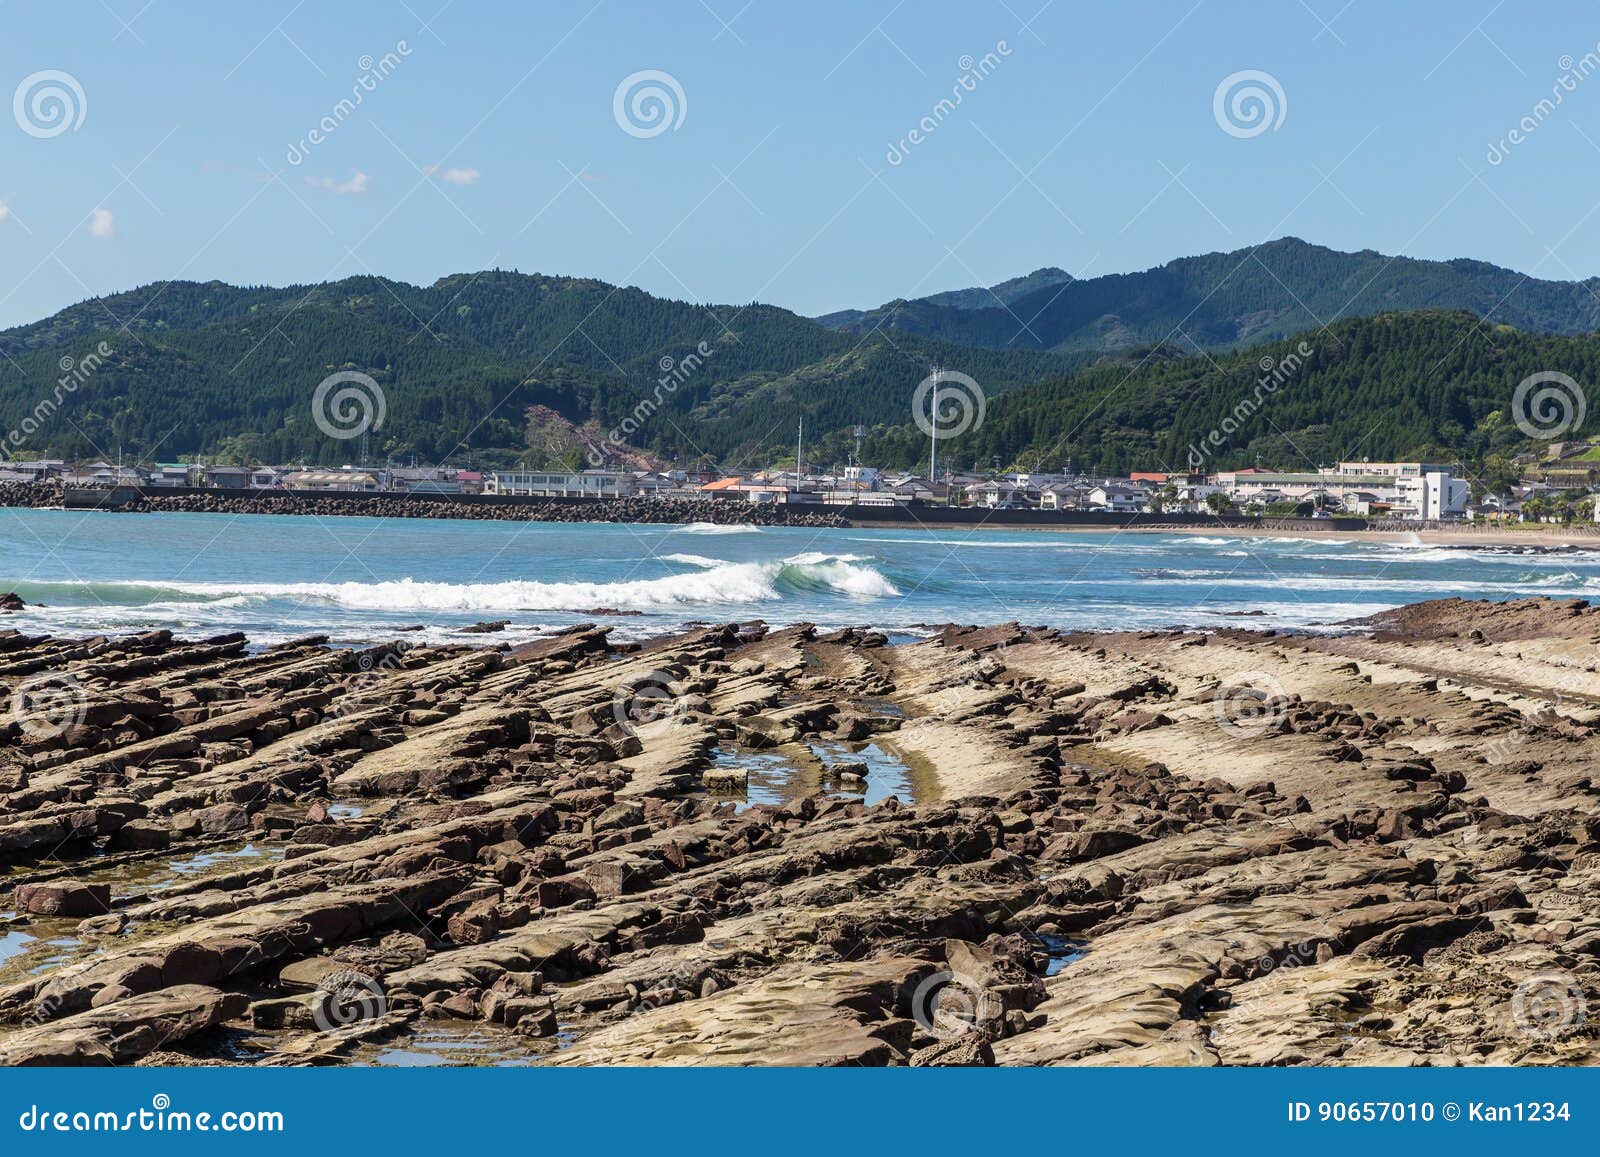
933,431
799,450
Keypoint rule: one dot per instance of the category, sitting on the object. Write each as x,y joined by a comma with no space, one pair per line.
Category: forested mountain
499,366
213,368
978,297
1225,300
1428,385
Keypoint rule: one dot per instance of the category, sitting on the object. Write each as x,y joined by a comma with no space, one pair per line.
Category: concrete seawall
909,515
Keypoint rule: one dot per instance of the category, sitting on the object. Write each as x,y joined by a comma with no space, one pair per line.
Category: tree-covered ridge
471,365
1225,300
218,369
1428,385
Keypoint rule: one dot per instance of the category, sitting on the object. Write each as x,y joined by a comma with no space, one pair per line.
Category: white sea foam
1314,541
981,541
716,528
716,582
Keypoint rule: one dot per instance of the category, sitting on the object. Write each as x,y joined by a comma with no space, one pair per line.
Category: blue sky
1091,143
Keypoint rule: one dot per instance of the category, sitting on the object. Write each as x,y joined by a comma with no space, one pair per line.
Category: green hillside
1397,386
213,368
1224,300
499,366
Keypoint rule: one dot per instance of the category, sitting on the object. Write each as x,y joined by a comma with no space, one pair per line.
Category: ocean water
360,579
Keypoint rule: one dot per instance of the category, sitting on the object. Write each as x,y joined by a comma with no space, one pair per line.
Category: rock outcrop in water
1235,848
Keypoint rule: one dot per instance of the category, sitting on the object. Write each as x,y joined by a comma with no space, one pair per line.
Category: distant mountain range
1226,300
496,367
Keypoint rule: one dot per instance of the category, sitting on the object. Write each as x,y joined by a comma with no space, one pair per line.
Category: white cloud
357,183
454,176
102,224
5,210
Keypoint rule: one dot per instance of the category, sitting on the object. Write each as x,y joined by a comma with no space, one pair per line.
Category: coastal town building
1410,490
755,489
37,469
225,477
1389,469
1116,498
1062,496
357,481
1405,491
552,484
1003,494
168,474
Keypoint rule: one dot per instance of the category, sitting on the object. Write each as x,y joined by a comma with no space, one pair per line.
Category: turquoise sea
358,579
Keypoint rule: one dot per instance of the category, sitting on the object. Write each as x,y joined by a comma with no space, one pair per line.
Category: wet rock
63,899
222,819
1229,899
140,836
124,1030
725,778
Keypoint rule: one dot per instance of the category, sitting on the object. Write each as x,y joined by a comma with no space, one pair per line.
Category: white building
555,484
1388,469
332,480
1411,490
1003,494
1116,498
1061,496
1434,496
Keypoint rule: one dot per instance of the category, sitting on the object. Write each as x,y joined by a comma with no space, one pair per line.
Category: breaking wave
713,583
717,528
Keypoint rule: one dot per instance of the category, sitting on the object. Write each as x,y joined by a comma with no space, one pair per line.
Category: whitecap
716,583
717,528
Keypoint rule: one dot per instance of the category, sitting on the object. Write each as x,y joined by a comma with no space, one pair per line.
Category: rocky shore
659,511
1234,848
